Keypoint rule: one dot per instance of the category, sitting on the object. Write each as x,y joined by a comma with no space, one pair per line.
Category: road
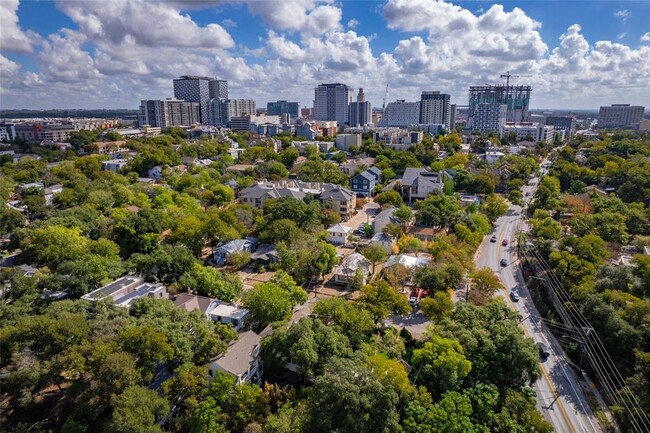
559,395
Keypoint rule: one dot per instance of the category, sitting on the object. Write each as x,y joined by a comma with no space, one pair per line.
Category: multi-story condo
7,131
221,111
565,123
516,99
400,114
164,113
531,131
331,102
488,117
56,133
53,133
452,116
218,89
360,111
620,115
434,108
200,90
279,108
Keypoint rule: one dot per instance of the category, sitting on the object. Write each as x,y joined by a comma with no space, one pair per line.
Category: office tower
620,115
516,99
434,108
169,112
488,117
279,108
360,111
221,111
194,89
401,114
218,88
565,123
331,102
452,116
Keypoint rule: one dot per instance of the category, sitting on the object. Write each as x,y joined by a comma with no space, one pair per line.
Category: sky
113,53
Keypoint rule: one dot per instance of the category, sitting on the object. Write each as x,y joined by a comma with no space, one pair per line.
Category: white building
114,165
535,131
331,102
620,115
434,108
488,117
400,114
338,234
126,290
345,141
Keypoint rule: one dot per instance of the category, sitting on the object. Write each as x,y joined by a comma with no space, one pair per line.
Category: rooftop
240,354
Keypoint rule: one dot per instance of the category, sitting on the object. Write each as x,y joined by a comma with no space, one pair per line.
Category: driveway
364,216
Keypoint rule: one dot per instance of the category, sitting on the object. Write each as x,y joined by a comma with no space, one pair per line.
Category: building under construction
516,98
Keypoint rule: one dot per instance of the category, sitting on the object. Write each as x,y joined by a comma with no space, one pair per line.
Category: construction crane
383,106
507,76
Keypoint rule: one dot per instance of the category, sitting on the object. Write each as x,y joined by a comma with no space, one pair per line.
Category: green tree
348,318
403,214
442,363
494,207
138,410
374,253
208,281
486,282
437,306
268,303
392,198
381,300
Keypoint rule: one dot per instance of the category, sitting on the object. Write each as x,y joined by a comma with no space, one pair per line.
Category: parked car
493,238
543,350
504,242
514,296
504,262
413,301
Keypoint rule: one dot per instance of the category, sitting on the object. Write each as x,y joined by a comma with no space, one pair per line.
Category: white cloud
621,35
645,37
623,14
284,49
229,23
353,23
303,16
12,38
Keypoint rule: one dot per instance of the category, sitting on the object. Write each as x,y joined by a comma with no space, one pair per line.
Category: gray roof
374,170
386,216
382,237
337,193
265,252
237,360
416,176
236,245
254,191
114,287
365,175
351,263
193,302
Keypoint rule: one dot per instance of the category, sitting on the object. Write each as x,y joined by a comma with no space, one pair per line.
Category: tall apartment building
218,88
164,113
279,108
360,111
400,114
7,131
620,115
452,116
488,117
516,99
221,111
434,108
565,123
331,102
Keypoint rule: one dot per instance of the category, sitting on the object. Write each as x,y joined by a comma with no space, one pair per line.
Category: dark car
493,238
543,350
504,242
514,296
504,262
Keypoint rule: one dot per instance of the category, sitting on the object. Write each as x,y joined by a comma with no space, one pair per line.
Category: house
384,218
265,255
242,360
349,267
223,251
363,184
156,172
190,161
405,260
338,234
110,147
213,309
51,191
126,290
646,250
469,199
240,169
385,240
425,234
351,166
339,199
492,156
418,183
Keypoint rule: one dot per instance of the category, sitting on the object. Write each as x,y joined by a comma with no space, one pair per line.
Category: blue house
363,184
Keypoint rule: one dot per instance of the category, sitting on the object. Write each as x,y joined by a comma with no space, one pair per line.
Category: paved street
559,395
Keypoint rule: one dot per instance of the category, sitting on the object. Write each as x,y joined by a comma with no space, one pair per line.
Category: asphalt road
559,395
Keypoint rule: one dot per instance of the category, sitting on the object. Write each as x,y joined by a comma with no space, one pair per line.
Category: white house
385,240
223,251
348,268
242,360
228,314
338,234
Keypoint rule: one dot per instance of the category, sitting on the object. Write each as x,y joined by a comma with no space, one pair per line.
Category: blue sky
91,54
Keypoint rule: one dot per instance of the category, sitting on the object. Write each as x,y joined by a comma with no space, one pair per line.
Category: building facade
620,116
488,117
360,111
279,108
564,123
218,88
7,131
331,102
164,113
194,89
345,141
435,108
400,114
531,131
516,99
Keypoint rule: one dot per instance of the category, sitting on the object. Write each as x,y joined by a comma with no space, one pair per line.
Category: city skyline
72,54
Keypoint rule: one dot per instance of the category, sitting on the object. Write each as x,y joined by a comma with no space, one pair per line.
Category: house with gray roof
364,183
126,290
419,183
242,360
349,267
384,218
266,254
223,251
339,199
338,234
384,240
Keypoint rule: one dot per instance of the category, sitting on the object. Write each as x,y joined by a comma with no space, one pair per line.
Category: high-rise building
434,108
221,111
331,102
164,113
218,88
565,123
279,108
516,99
488,117
400,114
191,88
452,116
360,111
534,132
620,115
